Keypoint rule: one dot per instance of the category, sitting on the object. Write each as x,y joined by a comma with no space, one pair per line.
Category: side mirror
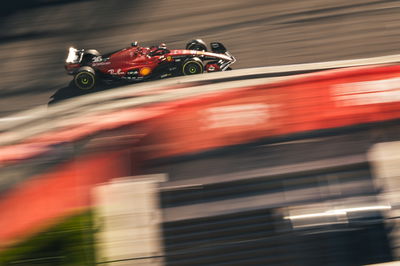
134,44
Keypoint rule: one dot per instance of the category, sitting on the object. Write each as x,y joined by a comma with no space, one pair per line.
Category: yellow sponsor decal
145,71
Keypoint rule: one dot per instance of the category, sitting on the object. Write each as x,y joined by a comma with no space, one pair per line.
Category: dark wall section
234,207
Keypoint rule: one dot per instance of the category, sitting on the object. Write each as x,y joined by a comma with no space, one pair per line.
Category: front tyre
85,78
192,66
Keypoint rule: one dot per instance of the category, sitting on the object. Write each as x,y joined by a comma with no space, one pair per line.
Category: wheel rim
85,80
192,68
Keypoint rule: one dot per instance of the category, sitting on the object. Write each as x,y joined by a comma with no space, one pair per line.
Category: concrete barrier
128,219
385,161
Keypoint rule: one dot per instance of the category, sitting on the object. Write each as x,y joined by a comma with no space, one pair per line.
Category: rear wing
74,56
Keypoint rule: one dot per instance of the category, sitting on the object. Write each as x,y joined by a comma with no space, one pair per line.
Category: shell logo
145,71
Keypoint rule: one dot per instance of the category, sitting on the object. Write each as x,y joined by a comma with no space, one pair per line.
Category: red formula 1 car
138,63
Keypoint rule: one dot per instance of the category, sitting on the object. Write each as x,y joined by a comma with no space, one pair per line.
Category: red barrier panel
310,102
90,125
41,200
318,101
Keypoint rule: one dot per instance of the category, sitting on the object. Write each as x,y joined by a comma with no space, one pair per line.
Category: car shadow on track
71,91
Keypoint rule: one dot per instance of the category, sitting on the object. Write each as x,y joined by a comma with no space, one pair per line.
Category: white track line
13,118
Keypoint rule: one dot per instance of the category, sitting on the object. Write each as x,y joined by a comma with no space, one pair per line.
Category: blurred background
35,35
303,196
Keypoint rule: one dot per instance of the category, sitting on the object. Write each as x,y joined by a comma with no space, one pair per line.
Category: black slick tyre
192,66
85,78
197,44
88,56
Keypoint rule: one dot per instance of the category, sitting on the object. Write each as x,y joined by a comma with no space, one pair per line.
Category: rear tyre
198,45
192,66
92,52
88,56
85,78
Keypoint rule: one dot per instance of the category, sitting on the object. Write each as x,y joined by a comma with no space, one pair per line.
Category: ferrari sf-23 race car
137,63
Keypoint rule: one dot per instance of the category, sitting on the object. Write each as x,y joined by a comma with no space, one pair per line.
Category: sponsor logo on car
101,63
116,72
